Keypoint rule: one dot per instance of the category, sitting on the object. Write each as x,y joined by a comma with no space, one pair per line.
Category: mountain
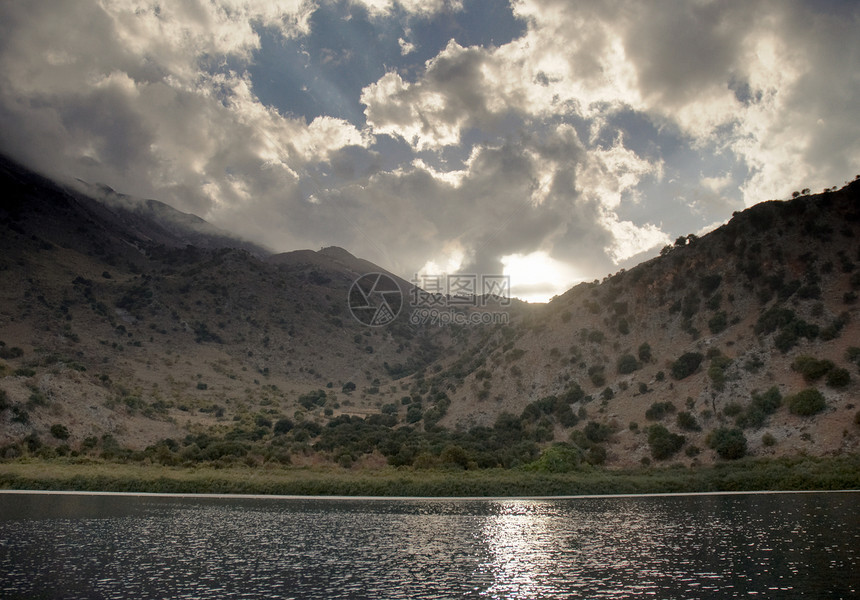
129,329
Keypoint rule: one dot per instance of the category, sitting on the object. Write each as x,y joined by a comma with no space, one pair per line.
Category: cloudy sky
550,140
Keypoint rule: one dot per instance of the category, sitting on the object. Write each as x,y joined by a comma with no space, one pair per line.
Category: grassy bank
783,474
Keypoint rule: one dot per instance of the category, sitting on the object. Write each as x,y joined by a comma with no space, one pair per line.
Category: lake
674,546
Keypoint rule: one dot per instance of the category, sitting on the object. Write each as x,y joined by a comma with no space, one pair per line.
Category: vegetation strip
799,473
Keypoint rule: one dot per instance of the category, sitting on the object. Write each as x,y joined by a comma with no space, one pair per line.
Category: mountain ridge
116,330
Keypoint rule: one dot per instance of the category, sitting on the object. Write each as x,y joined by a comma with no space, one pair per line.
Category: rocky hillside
722,331
127,329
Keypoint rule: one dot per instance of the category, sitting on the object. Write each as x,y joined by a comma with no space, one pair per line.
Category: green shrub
687,421
313,398
686,365
645,352
13,352
59,431
811,368
282,426
710,283
752,417
627,363
573,393
558,458
730,444
659,410
663,443
806,403
838,378
732,409
768,401
597,432
717,371
718,322
598,378
768,440
596,455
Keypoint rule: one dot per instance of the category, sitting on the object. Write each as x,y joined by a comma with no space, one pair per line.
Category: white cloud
405,47
415,7
153,99
717,184
143,96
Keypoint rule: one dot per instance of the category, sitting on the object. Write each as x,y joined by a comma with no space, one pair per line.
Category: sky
548,140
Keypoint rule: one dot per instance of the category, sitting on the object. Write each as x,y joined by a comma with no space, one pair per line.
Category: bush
627,364
717,371
768,401
558,458
718,322
597,432
645,352
659,410
13,352
811,368
663,443
313,398
282,426
730,444
59,431
807,402
838,378
687,421
686,365
768,440
732,409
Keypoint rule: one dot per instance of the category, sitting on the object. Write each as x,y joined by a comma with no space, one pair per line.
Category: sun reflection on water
520,548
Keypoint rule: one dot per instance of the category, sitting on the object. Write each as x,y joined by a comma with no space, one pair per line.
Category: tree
663,443
806,403
686,364
687,421
627,363
658,410
730,444
597,432
59,431
282,426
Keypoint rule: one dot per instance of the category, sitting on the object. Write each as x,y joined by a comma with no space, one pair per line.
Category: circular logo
375,299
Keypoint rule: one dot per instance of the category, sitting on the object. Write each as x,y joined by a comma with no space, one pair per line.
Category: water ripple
668,547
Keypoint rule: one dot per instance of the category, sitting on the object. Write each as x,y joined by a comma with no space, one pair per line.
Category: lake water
698,546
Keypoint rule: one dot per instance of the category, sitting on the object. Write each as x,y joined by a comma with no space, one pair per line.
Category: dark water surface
708,546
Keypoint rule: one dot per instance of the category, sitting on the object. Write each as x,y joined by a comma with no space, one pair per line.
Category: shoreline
192,496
